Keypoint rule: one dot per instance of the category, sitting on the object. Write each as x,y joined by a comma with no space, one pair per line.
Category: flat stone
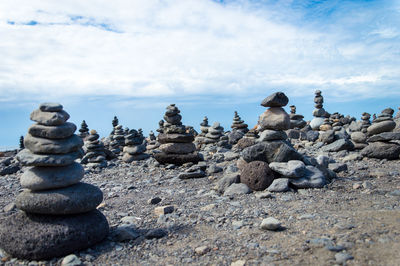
164,209
270,223
274,118
40,178
202,250
52,132
291,169
339,145
237,189
128,158
226,181
382,150
74,199
71,260
273,151
177,159
269,134
257,175
133,150
125,233
177,148
190,175
338,167
27,158
277,99
313,178
50,107
156,233
175,138
385,136
341,258
174,119
39,237
384,126
52,146
279,185
49,118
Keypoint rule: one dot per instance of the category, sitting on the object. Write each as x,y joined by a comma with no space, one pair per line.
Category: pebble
71,260
156,233
270,223
164,210
155,200
238,263
263,195
341,258
237,224
202,250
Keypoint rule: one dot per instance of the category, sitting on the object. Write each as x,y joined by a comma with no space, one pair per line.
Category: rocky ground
355,220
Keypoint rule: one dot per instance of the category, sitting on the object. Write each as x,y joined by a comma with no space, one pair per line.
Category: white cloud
191,47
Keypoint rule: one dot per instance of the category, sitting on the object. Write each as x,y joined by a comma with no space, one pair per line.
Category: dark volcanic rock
385,136
257,175
27,158
277,99
74,199
52,146
273,151
339,145
175,138
177,159
37,237
52,132
381,150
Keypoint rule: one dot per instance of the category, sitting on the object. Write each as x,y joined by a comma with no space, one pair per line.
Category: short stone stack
114,123
296,120
215,132
152,142
57,213
95,154
383,143
176,145
319,113
117,140
365,118
238,124
204,127
21,143
135,146
84,130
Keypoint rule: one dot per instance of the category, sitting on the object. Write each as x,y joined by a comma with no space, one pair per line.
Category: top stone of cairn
50,107
278,99
50,114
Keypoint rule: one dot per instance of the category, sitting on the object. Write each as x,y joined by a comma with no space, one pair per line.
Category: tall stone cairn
365,122
95,151
21,143
117,140
57,213
319,113
84,130
238,123
176,145
204,127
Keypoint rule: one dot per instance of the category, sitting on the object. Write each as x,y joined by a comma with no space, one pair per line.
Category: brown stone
257,175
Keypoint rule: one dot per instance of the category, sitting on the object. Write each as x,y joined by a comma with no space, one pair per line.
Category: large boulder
382,150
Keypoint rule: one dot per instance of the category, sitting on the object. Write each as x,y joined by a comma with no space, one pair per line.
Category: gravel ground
355,220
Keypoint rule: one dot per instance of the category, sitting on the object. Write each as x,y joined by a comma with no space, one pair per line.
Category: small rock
367,185
237,189
125,233
263,195
279,185
341,258
71,260
156,233
270,223
154,200
237,224
238,263
395,193
164,210
202,250
357,185
9,207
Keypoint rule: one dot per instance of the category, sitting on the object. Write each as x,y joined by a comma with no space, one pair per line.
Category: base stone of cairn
382,139
258,162
95,152
319,113
176,145
57,213
135,146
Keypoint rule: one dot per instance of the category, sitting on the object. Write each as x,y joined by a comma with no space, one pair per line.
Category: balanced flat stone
177,148
52,132
269,134
385,136
52,146
177,138
177,159
49,118
50,107
40,178
133,150
27,158
381,127
277,99
74,199
274,118
39,237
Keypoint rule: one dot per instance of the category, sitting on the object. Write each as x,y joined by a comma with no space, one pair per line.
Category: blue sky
133,58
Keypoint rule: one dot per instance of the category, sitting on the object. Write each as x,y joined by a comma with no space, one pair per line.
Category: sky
132,58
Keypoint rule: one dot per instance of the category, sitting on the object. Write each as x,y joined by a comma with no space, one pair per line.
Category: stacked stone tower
95,151
135,146
84,130
296,120
319,113
238,124
57,213
176,145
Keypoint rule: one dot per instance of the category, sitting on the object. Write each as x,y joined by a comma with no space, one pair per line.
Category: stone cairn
272,162
95,152
204,127
117,140
359,137
215,132
176,145
21,143
365,122
382,141
296,120
57,213
238,124
319,113
152,142
135,146
84,130
114,123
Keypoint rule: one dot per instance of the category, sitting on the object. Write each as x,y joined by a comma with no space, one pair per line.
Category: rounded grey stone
38,237
52,132
277,99
50,107
74,199
27,158
384,126
49,118
50,177
52,146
